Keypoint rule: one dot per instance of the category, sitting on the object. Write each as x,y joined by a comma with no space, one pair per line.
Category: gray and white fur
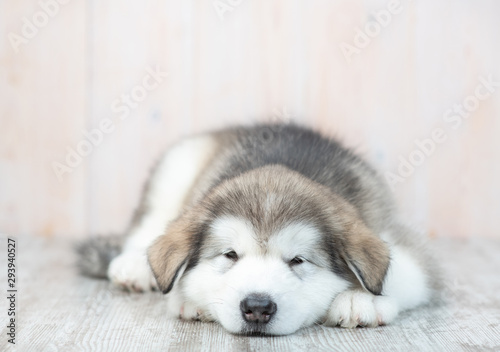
268,229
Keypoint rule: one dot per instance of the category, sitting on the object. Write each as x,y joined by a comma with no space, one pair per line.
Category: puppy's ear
367,256
168,254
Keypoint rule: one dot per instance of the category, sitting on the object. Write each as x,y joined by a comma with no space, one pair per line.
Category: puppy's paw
354,308
179,307
189,311
131,271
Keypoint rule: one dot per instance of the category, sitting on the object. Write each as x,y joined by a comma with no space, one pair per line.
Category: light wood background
265,60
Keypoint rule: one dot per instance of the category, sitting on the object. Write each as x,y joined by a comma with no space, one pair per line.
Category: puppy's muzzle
258,308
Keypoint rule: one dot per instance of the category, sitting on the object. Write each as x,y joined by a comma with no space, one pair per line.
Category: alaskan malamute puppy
266,230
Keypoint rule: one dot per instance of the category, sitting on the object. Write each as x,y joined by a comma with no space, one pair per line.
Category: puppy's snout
257,308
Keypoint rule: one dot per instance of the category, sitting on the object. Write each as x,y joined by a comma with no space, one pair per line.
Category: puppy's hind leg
162,202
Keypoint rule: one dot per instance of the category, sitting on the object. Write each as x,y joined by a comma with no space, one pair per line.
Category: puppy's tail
95,254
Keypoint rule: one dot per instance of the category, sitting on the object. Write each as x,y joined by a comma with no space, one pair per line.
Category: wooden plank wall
247,61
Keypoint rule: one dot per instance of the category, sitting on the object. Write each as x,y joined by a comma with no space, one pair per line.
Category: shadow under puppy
268,229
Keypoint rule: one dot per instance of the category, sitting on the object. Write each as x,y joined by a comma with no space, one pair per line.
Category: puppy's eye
231,255
296,261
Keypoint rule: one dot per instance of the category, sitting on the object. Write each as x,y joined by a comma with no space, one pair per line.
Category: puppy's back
320,159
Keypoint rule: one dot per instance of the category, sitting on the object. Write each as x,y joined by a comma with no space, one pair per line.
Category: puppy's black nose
257,308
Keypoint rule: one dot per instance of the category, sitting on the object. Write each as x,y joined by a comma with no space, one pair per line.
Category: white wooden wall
259,60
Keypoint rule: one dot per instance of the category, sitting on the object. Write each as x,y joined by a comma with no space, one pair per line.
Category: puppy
265,230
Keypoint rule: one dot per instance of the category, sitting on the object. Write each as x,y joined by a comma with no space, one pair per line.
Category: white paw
354,308
189,311
131,271
177,307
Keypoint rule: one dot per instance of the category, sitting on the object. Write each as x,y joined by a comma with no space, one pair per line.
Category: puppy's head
267,252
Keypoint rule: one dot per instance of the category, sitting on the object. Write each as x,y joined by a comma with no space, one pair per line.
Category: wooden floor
58,310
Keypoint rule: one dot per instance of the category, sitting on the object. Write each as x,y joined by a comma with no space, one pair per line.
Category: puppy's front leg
406,286
354,308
